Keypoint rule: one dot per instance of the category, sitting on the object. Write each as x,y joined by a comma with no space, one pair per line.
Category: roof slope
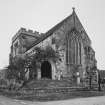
73,22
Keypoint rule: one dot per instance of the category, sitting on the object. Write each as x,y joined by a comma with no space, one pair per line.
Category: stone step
49,83
42,92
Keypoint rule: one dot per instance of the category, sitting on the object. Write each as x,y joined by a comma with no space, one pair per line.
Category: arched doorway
46,71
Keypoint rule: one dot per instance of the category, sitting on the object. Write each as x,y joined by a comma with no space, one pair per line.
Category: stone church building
69,38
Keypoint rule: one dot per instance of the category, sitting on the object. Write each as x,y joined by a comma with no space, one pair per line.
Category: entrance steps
48,94
42,92
49,84
50,89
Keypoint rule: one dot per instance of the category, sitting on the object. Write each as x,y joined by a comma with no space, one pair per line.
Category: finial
73,9
73,13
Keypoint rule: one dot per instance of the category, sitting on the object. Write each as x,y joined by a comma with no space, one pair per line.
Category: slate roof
49,32
76,23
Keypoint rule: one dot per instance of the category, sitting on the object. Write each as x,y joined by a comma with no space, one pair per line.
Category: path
80,101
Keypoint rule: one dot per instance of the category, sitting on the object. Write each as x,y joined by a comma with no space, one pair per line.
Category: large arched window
73,48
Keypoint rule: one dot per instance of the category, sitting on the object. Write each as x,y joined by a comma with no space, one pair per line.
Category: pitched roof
49,32
75,23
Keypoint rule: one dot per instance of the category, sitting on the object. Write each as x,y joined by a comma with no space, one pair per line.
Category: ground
100,100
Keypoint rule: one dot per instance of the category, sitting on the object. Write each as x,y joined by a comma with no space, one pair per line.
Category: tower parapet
26,32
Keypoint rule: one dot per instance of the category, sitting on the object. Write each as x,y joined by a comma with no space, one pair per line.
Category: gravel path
80,101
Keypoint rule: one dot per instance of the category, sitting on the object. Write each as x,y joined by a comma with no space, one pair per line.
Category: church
69,39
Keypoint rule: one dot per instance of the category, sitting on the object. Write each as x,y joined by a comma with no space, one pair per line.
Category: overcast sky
41,15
